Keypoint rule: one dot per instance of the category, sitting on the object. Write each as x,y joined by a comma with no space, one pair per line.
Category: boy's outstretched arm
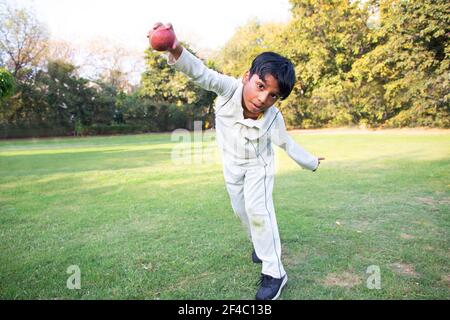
281,138
195,69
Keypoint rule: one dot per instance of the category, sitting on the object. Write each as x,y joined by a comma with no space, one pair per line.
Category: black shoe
255,258
270,288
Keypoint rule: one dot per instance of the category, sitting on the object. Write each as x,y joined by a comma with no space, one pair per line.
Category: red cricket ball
162,38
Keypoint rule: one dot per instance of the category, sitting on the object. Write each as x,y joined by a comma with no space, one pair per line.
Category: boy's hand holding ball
163,38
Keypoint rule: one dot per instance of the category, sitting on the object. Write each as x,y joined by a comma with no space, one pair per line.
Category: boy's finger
157,25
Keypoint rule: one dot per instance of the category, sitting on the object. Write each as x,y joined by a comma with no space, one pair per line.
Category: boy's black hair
279,67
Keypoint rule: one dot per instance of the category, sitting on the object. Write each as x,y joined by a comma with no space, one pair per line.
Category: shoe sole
281,288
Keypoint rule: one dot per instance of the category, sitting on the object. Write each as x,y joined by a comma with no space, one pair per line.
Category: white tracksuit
248,158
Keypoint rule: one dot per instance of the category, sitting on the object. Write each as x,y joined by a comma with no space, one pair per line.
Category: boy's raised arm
195,69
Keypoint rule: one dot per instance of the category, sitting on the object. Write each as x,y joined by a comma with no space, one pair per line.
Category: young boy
247,122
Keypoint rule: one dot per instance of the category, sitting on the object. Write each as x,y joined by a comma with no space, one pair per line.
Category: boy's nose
263,97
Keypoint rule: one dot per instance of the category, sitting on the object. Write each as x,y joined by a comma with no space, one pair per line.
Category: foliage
249,40
375,63
167,87
369,63
407,73
23,39
6,83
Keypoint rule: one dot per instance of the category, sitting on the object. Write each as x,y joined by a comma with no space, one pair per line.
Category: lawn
140,226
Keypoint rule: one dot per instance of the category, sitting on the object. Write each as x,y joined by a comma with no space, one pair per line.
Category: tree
23,42
174,94
62,93
324,39
404,80
23,39
61,50
248,41
109,62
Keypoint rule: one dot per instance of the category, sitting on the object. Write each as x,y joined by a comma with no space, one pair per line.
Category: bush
7,83
101,129
9,131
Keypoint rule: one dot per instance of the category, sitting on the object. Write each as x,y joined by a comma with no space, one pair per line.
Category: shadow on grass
83,161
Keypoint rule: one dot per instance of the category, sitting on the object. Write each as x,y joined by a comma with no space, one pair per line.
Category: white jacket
242,141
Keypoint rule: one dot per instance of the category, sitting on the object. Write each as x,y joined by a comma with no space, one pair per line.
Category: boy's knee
255,206
257,211
258,222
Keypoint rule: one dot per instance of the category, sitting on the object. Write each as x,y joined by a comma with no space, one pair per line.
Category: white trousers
250,190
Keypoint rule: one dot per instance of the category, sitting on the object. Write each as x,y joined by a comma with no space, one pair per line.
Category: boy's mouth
255,108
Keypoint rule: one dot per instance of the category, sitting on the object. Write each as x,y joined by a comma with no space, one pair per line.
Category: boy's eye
262,87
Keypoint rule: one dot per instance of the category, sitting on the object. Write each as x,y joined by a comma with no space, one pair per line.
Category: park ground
139,225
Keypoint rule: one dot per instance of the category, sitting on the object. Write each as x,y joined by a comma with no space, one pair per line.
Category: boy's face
259,94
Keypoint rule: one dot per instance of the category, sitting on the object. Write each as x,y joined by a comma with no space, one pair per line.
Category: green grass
141,227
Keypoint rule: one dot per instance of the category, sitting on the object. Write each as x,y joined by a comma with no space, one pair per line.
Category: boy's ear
246,77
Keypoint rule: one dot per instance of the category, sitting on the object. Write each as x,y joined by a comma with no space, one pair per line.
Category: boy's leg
258,188
234,180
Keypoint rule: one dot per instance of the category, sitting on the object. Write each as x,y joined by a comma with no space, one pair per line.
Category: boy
247,122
